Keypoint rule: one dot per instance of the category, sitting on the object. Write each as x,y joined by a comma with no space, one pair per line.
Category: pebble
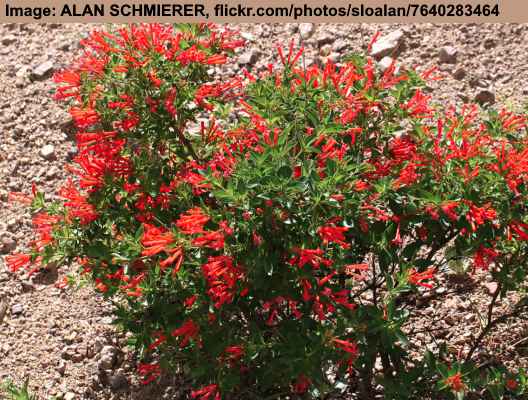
306,30
108,358
491,288
249,57
9,39
485,96
448,55
459,74
43,71
17,309
387,45
3,309
385,63
61,368
325,38
47,152
118,381
7,245
69,396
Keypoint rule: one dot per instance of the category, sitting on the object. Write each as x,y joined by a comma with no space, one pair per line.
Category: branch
521,306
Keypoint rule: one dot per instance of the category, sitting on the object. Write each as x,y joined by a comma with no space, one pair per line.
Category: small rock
9,39
69,396
485,96
61,368
43,71
306,30
247,36
27,286
249,57
325,38
339,45
17,309
491,287
385,63
47,152
118,382
448,55
489,44
387,45
7,245
108,358
325,50
459,74
3,309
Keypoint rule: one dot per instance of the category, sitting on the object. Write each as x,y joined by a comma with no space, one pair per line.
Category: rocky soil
63,341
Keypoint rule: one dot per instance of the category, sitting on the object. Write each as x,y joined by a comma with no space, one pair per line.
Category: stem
519,308
185,142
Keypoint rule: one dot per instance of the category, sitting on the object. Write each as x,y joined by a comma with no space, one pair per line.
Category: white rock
385,63
306,30
387,44
42,71
47,152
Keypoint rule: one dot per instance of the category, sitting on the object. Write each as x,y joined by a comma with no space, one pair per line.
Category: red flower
454,382
77,204
484,257
159,339
449,209
334,234
155,240
209,392
213,240
84,117
189,330
150,372
511,384
302,384
349,347
417,278
222,277
192,221
313,257
16,261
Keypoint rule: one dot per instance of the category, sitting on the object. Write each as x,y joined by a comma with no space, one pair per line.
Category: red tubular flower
347,346
520,229
302,384
449,209
418,278
169,102
159,339
77,204
84,117
454,382
479,215
71,81
213,240
192,221
189,330
150,372
484,257
313,257
155,240
209,392
16,261
334,234
222,277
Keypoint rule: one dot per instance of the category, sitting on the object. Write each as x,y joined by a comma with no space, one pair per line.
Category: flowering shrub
269,234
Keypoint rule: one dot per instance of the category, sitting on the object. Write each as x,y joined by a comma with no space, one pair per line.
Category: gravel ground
63,341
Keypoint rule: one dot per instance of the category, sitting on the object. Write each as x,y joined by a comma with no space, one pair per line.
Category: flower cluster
273,252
